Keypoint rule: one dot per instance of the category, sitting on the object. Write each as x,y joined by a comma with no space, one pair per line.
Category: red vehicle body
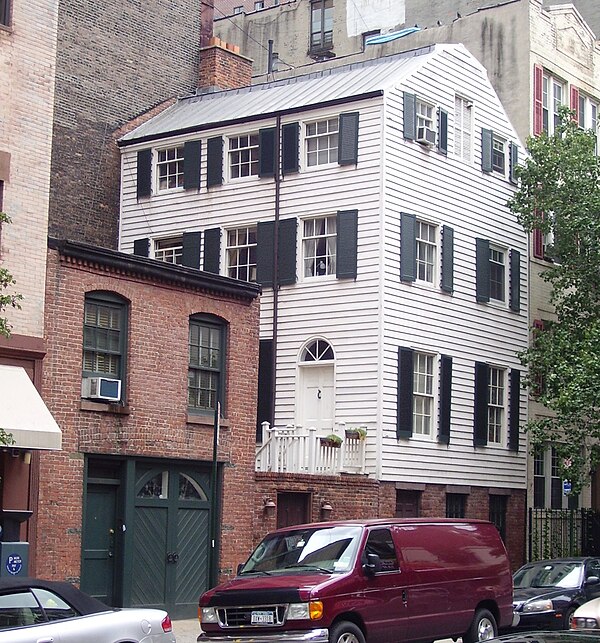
373,581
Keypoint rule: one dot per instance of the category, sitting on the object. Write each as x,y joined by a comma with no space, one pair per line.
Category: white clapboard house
369,201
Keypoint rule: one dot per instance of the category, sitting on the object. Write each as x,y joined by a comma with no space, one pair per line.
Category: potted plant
331,440
356,433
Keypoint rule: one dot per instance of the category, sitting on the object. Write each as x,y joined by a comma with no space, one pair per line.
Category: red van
370,581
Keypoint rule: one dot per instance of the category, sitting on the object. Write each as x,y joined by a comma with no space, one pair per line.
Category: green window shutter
212,250
514,162
447,284
404,417
482,265
513,410
141,247
480,427
214,161
286,251
347,240
190,255
445,399
191,165
144,173
408,247
290,136
265,249
515,280
487,142
410,116
266,149
265,385
443,131
348,139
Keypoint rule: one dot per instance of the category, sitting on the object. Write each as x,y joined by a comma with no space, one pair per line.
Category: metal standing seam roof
328,85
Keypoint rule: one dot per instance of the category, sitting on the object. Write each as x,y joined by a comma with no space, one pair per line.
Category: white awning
23,412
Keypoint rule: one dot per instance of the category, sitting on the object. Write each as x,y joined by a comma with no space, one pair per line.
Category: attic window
321,25
237,10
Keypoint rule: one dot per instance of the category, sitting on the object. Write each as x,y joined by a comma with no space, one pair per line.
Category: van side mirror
373,565
592,580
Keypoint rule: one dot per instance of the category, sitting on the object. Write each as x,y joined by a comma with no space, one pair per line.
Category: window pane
205,365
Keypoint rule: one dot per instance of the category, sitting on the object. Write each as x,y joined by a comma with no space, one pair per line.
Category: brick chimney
223,67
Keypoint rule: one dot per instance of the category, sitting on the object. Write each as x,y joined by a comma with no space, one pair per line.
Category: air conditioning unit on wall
425,135
101,388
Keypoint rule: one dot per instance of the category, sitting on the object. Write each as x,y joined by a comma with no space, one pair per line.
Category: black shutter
190,255
404,419
515,280
445,398
286,251
191,165
144,173
410,116
348,139
447,284
265,386
443,131
212,250
347,240
408,247
514,408
480,428
290,135
266,152
482,265
141,247
514,161
265,248
487,142
214,161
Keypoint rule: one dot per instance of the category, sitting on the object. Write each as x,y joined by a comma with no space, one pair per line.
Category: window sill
205,420
100,407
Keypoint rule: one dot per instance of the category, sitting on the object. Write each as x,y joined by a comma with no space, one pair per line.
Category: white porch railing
294,449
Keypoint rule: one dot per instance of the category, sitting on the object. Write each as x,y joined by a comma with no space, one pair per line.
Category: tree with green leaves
559,195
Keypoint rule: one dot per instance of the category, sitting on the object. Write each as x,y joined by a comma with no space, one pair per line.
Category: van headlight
538,606
208,615
312,610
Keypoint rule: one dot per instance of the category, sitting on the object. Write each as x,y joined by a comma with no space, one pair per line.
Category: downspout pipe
275,260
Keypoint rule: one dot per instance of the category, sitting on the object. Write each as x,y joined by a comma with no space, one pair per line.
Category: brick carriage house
369,201
140,353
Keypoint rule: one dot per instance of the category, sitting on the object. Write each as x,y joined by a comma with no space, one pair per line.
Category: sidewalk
186,631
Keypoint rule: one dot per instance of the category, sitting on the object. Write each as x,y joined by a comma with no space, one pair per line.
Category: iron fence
556,533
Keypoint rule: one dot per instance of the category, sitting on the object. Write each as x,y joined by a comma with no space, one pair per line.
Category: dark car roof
83,603
569,559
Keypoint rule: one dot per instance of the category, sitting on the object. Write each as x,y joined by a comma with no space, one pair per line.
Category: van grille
242,616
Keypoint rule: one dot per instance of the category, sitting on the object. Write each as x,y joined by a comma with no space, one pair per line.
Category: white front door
315,399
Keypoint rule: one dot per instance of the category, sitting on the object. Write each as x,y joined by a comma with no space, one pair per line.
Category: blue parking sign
566,487
14,564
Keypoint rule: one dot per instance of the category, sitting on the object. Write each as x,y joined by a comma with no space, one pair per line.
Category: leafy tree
559,194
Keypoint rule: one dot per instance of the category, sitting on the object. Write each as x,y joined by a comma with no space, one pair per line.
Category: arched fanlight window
318,351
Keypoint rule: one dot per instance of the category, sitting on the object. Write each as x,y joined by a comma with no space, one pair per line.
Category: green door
98,554
170,551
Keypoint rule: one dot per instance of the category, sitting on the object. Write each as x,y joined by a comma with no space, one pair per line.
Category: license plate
262,618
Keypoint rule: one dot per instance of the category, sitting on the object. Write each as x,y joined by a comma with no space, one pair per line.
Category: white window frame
168,168
554,94
427,252
463,128
248,161
169,250
319,247
424,388
495,253
497,406
425,114
588,113
240,253
545,467
499,151
321,137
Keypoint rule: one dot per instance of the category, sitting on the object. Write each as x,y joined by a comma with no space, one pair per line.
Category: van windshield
328,550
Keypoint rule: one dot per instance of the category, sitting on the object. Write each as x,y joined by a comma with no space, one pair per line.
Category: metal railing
556,533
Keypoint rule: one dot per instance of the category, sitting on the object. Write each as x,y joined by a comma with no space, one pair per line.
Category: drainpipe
275,260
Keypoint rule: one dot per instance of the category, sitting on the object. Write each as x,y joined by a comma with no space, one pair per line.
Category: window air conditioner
425,135
101,388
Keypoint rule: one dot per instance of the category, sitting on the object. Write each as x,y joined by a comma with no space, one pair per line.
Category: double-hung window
498,277
547,481
425,115
241,253
553,96
426,251
423,403
319,245
243,156
169,250
206,364
169,168
321,139
321,25
463,128
497,274
496,405
499,155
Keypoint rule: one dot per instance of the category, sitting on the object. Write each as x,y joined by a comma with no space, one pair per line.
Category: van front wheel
482,628
346,632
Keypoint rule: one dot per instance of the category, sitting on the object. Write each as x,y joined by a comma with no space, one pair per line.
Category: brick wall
222,67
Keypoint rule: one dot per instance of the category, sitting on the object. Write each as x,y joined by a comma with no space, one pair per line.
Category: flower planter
330,442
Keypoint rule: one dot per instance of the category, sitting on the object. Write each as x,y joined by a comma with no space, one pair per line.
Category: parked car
544,636
374,581
587,617
547,592
34,611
